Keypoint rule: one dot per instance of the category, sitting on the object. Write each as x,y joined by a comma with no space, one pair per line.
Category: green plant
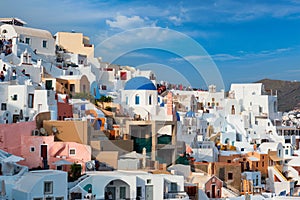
75,172
105,99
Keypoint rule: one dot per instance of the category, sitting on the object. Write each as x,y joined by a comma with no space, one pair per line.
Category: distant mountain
288,93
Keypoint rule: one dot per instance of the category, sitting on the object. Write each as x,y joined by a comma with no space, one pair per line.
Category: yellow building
75,43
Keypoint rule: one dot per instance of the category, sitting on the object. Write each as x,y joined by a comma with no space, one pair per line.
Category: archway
117,189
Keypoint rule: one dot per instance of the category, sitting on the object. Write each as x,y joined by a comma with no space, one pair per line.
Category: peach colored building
229,173
73,84
68,131
76,43
252,161
258,162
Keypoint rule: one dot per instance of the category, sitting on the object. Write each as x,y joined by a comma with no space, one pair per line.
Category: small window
72,152
38,198
48,84
256,164
27,40
32,149
228,161
150,99
286,152
279,153
59,198
44,43
30,100
137,100
49,198
263,164
230,176
4,31
72,87
3,106
173,187
148,181
14,97
48,187
126,100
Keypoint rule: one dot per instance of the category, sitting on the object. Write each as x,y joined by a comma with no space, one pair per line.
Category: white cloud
125,23
241,55
139,55
176,20
267,53
225,57
215,57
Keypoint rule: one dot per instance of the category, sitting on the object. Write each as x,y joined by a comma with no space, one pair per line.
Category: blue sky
247,40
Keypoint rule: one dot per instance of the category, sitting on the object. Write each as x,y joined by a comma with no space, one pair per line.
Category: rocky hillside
288,93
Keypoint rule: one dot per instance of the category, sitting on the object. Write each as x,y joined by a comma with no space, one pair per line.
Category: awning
62,162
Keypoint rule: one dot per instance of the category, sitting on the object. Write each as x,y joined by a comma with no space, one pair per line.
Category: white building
251,111
38,39
204,151
43,184
131,184
16,102
140,97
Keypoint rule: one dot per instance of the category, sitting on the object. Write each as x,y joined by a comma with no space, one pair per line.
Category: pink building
20,139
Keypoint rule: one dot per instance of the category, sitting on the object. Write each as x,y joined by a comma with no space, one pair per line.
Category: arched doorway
117,189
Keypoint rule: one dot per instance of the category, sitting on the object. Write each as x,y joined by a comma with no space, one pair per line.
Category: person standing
110,196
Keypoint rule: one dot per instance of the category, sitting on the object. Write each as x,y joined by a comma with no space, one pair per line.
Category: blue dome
190,114
139,83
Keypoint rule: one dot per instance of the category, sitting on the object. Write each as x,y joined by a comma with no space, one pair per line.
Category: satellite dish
89,166
43,131
54,129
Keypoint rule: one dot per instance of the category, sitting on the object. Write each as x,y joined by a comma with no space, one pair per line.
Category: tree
106,99
75,172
